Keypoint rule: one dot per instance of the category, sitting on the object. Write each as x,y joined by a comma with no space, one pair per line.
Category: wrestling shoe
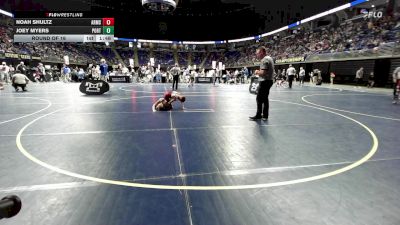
255,117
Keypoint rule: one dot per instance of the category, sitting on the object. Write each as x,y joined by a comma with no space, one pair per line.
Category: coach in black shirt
265,74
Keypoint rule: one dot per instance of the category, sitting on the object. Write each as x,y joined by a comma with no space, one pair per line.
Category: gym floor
325,156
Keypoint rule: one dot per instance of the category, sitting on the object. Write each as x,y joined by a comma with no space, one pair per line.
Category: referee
175,71
265,74
291,72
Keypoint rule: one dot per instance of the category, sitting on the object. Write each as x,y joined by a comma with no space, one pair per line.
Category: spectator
302,74
396,85
21,68
81,75
103,70
4,72
65,73
371,80
359,77
332,77
42,72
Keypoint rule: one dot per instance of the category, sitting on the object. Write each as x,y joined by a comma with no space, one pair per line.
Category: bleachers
352,35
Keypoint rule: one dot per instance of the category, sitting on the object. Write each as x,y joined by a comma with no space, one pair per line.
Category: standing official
302,74
291,72
175,71
266,74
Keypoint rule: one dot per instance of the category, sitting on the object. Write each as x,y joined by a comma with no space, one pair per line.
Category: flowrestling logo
254,85
364,11
371,14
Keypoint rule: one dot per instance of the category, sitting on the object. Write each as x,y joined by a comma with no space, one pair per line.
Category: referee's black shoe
264,118
255,117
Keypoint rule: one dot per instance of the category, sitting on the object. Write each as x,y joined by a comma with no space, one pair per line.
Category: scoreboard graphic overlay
62,27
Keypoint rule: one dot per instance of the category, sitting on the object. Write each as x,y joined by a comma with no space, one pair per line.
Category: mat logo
91,87
94,87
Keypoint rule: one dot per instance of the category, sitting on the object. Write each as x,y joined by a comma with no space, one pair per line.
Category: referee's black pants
395,92
219,80
175,82
262,98
291,77
22,86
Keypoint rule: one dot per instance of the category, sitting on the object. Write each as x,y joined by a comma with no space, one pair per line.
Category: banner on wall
289,60
11,55
36,57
